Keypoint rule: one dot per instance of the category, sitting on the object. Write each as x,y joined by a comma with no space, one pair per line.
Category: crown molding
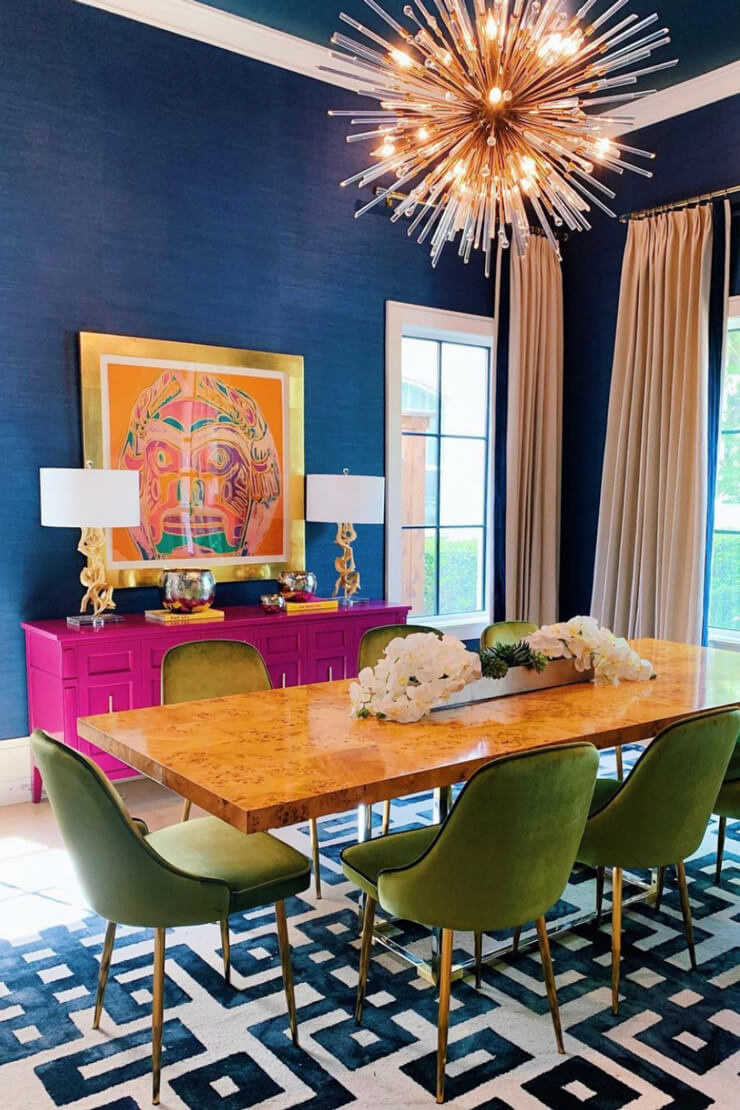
199,21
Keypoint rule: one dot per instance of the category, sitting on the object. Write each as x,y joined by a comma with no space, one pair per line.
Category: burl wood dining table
275,758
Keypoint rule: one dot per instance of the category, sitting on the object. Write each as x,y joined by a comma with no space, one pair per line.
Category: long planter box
519,680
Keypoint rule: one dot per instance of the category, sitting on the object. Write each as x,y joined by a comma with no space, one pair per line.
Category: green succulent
496,660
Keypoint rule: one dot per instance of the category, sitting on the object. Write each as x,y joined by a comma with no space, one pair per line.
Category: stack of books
166,616
317,605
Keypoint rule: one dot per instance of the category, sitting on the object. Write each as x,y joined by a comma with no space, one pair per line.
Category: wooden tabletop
260,761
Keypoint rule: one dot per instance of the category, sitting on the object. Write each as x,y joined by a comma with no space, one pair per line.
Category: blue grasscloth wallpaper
155,186
695,153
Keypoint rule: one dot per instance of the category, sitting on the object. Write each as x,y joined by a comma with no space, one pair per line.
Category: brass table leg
226,945
186,807
105,958
620,763
659,889
386,817
442,806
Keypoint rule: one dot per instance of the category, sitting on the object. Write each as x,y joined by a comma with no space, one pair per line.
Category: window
439,461
724,594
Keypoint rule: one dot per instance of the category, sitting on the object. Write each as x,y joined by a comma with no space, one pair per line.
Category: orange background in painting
125,383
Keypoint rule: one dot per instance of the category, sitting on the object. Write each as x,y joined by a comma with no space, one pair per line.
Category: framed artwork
216,435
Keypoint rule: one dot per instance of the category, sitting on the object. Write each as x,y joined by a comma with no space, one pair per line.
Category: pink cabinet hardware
73,674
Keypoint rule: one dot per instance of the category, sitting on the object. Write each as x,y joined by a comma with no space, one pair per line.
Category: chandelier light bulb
512,92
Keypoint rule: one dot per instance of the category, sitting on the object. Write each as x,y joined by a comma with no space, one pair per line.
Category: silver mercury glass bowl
187,591
297,585
272,603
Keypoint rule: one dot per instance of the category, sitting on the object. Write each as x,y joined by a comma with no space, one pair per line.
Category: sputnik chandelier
482,116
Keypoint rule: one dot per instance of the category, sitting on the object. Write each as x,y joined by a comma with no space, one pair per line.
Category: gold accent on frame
95,346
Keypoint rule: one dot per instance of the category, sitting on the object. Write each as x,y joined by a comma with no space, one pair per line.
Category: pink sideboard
74,674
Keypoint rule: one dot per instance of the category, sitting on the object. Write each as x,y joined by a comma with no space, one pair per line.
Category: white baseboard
15,771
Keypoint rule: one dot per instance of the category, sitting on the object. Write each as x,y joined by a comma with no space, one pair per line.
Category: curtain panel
650,549
534,434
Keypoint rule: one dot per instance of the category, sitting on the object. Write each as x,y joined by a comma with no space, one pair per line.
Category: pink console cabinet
75,674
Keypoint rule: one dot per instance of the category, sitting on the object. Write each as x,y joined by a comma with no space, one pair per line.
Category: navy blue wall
150,185
697,152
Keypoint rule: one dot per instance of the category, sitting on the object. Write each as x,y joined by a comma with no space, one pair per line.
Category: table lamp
91,500
339,499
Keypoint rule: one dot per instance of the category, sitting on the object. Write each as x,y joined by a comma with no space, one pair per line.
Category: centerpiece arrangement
424,671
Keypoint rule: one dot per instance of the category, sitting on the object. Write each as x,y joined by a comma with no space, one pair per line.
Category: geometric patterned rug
675,1043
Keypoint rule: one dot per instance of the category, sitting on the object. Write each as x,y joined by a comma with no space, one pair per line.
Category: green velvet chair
658,816
217,669
372,645
188,874
728,805
501,858
506,632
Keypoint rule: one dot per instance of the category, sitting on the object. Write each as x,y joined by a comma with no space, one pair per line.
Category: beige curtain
533,435
649,570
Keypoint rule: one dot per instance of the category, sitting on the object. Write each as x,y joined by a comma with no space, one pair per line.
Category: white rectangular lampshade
86,498
345,498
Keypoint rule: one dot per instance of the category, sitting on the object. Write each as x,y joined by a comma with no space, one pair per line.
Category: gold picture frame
135,394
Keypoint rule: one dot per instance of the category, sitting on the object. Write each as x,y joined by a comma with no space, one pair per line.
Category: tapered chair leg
478,959
105,958
284,945
683,891
616,935
620,763
659,889
157,1010
552,994
226,946
599,894
186,807
386,817
720,849
315,856
515,941
368,922
445,981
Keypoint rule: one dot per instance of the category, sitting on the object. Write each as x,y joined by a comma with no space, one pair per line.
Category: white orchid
592,647
414,674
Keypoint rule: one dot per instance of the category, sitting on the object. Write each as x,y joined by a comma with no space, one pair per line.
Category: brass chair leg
552,994
284,945
599,894
157,1010
659,890
445,980
368,922
226,946
105,958
186,807
683,891
478,958
720,849
315,856
386,817
515,941
620,763
616,934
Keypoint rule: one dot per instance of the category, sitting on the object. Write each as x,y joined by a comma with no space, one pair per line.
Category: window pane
418,570
419,385
460,570
724,609
464,390
419,462
463,482
731,395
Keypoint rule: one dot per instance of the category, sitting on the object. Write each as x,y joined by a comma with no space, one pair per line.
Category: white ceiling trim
265,44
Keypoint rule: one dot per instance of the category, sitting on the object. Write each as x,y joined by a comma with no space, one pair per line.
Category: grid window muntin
439,437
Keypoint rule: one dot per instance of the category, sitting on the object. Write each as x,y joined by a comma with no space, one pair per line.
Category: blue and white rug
675,1043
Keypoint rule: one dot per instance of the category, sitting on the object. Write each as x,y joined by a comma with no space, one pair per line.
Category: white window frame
725,637
420,322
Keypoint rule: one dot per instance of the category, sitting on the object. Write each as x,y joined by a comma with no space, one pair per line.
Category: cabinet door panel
111,696
285,672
